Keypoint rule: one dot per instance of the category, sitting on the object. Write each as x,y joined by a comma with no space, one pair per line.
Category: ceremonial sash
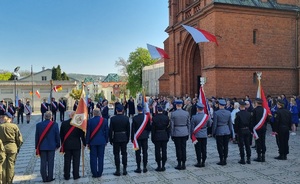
44,133
2,108
28,111
53,104
260,124
61,104
139,132
45,107
96,129
198,127
11,110
65,138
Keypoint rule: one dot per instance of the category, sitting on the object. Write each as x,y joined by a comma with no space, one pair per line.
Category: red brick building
253,35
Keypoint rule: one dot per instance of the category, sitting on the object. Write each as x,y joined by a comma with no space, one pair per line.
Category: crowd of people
160,119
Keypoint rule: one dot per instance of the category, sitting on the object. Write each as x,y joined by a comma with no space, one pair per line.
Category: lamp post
16,75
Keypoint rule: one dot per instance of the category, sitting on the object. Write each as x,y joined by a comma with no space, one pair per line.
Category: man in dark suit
62,107
2,108
105,110
75,105
54,107
46,145
119,132
90,106
160,134
71,145
96,139
20,108
44,108
141,120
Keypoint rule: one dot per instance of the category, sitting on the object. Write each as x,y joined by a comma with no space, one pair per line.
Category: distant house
113,85
151,74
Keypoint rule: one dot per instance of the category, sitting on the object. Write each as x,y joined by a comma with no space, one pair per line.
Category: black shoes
138,170
242,161
281,157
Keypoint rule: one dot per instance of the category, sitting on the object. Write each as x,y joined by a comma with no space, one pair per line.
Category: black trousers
160,151
74,156
261,142
282,140
180,146
54,116
20,114
47,165
62,116
200,148
143,145
244,141
117,147
43,116
222,145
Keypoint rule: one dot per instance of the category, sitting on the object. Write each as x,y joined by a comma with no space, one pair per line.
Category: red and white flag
157,52
200,35
80,117
202,99
37,93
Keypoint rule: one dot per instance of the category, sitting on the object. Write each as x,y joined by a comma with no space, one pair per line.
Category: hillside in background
81,77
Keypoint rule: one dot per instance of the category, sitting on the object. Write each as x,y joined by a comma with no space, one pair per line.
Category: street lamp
16,75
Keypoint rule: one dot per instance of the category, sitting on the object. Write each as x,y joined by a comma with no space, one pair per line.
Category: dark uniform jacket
101,137
105,112
75,106
51,141
61,108
136,123
44,109
283,120
52,107
161,128
3,109
11,137
119,129
73,142
257,114
242,122
11,110
21,108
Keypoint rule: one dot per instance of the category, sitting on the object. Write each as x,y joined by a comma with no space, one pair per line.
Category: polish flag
200,35
156,52
37,93
80,117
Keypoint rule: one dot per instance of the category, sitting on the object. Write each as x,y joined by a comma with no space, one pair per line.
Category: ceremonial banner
57,88
157,52
80,117
202,99
200,35
37,93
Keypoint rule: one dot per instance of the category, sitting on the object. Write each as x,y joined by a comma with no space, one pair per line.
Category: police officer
222,130
160,134
199,124
44,108
282,124
119,134
140,120
242,127
20,111
12,141
53,107
62,107
180,126
257,117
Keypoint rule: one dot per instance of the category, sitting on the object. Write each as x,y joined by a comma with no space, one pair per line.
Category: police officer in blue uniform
222,130
180,127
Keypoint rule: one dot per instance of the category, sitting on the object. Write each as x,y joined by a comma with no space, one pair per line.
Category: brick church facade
253,35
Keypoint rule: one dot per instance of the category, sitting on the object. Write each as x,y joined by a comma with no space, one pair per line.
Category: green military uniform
2,158
12,141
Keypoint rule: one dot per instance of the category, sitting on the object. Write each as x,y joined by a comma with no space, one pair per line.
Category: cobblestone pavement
271,171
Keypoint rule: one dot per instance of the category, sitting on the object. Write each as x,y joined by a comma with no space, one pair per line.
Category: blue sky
82,36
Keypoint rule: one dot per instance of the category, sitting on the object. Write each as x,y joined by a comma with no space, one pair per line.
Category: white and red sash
139,132
260,124
53,104
1,107
45,107
27,109
11,110
198,127
61,104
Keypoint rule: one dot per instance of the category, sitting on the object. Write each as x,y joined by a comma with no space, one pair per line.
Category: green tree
136,61
99,95
6,76
75,94
113,98
54,73
64,76
58,73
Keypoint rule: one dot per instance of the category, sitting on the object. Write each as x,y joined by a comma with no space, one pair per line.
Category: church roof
270,4
112,77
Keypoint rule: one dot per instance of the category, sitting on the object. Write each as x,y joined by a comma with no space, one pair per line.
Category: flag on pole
157,52
57,88
30,93
200,35
37,93
17,101
202,99
80,117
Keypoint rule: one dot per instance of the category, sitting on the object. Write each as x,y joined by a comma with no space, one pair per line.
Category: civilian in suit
201,134
12,110
180,127
54,108
119,132
62,107
90,107
131,107
71,147
142,140
2,108
44,108
160,134
105,110
222,130
97,143
47,147
20,111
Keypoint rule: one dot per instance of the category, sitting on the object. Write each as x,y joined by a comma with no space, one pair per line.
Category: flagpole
82,147
32,97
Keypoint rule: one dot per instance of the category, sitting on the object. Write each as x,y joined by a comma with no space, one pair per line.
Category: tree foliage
136,61
75,94
99,95
57,75
6,76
